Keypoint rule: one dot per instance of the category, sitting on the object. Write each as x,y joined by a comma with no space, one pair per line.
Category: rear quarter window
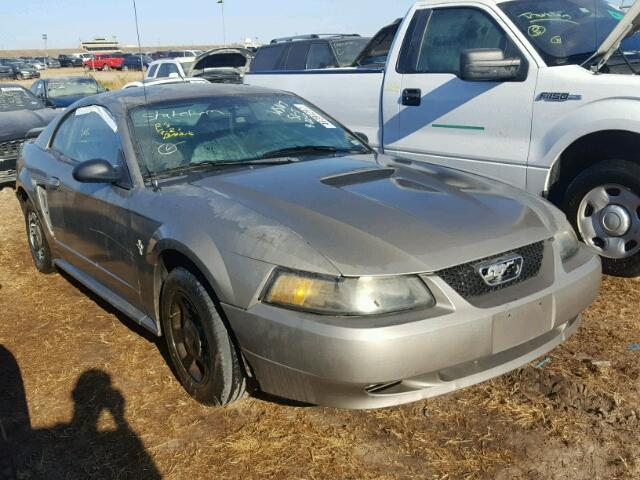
268,58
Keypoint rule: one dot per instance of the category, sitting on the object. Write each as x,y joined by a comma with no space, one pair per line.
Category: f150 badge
557,97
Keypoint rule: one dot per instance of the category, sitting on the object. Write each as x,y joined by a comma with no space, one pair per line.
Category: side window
89,133
436,38
320,56
152,71
167,69
268,58
296,60
39,89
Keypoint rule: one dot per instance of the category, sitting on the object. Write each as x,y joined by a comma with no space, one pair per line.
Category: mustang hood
372,217
16,124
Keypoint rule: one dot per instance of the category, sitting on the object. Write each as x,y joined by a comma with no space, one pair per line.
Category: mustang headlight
347,296
567,242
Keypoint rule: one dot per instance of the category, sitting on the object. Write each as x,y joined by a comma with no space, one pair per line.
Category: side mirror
362,137
488,65
96,171
33,133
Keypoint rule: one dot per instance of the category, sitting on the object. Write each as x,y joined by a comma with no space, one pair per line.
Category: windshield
17,98
348,50
566,31
233,128
73,87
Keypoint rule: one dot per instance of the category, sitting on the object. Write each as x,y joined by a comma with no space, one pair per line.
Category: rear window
320,56
268,58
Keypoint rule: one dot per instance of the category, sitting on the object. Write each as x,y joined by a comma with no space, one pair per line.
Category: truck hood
629,25
371,215
16,124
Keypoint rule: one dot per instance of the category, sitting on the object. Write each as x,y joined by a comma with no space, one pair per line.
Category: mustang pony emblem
501,270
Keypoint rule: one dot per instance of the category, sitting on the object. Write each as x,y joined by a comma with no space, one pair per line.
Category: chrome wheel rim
609,221
189,339
36,237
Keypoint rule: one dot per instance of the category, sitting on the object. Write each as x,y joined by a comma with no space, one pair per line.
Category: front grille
11,148
468,283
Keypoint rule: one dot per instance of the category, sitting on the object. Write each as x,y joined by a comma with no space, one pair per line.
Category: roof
11,85
129,98
68,77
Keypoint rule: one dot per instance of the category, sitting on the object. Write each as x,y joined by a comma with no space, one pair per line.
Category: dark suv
67,61
308,52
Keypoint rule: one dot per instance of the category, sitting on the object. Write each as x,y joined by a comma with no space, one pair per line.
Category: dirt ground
96,399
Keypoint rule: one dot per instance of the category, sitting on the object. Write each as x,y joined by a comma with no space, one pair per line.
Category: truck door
431,114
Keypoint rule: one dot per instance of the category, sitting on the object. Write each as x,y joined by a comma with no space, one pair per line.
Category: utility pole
224,29
46,53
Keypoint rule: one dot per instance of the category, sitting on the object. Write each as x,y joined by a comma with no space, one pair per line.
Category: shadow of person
78,449
14,413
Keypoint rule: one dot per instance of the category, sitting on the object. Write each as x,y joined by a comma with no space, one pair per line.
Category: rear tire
105,68
603,205
38,244
202,353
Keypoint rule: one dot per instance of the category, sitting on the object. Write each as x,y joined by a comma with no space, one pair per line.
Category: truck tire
38,244
203,356
105,68
603,205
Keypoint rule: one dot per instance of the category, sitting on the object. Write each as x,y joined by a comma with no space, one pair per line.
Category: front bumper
389,360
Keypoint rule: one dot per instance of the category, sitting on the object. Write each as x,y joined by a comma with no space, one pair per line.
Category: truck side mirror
488,65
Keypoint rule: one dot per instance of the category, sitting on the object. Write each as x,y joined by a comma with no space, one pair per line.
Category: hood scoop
358,177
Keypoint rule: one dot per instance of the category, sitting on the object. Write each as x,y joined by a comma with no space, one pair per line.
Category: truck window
347,51
436,38
152,71
378,49
296,60
320,56
167,69
268,58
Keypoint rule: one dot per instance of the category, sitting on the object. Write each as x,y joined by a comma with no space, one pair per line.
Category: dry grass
567,420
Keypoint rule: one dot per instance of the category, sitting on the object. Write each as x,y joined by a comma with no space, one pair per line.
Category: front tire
105,68
38,244
603,205
203,355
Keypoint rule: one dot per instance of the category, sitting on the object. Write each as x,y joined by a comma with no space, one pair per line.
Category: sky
186,22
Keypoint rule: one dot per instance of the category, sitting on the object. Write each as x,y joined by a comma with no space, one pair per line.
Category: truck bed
355,90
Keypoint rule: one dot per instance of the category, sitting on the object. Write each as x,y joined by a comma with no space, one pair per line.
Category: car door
96,217
431,114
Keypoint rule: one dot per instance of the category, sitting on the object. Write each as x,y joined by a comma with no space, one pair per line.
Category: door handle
411,97
54,182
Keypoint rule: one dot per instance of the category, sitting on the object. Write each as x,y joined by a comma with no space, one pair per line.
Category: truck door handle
411,97
54,183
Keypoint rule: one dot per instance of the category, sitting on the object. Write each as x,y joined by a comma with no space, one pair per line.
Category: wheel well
586,152
171,259
23,198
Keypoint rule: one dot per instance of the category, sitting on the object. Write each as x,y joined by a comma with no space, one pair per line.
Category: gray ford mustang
270,245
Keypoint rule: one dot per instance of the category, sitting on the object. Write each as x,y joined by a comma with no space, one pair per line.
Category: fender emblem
557,97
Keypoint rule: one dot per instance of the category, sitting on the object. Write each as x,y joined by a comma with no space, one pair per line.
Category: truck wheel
105,68
19,76
203,355
603,205
38,244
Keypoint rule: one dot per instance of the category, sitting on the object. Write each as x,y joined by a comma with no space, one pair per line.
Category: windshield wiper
308,149
212,164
